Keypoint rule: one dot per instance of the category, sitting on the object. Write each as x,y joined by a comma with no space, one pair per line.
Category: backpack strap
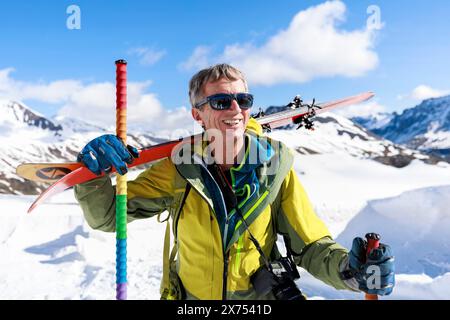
168,259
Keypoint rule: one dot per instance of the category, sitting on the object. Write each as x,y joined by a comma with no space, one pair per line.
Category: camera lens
287,290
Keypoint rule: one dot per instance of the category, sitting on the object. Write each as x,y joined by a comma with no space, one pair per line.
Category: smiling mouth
232,122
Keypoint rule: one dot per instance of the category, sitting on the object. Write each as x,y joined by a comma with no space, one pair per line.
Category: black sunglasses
222,101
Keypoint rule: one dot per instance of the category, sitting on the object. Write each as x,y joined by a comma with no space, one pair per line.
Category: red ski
72,173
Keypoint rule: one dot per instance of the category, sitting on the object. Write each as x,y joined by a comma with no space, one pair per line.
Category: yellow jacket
211,258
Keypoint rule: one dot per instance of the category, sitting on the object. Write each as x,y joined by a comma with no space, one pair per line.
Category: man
228,195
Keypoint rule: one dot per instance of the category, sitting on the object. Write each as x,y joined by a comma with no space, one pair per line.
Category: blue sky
60,71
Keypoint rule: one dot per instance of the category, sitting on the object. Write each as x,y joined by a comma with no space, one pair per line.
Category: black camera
278,278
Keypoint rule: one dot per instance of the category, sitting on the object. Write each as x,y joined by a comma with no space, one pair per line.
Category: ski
67,175
53,172
46,172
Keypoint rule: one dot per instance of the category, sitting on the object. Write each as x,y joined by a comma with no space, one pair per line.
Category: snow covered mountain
375,121
17,113
27,136
335,134
425,127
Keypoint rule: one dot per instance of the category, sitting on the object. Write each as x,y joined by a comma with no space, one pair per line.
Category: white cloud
53,92
423,92
147,56
198,60
95,102
311,46
365,109
6,84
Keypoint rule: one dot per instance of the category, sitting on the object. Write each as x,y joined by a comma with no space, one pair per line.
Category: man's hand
105,152
374,273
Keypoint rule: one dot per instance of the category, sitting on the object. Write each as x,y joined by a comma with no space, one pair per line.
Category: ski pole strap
169,256
121,185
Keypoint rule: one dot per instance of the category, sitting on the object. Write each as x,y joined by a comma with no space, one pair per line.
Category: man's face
229,122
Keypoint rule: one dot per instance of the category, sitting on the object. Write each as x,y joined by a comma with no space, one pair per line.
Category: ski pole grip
121,100
373,242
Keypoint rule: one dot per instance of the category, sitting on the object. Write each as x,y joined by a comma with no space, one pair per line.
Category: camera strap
289,255
253,239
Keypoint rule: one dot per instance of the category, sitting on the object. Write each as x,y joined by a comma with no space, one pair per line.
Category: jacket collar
271,164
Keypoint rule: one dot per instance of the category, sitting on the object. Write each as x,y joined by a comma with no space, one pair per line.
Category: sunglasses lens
220,102
244,100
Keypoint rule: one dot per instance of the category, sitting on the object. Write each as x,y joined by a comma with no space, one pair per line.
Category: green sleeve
97,200
148,195
323,259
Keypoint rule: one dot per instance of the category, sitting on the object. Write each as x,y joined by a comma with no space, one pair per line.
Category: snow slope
53,254
416,225
340,180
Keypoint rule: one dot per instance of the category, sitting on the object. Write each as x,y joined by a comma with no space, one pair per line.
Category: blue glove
105,152
380,259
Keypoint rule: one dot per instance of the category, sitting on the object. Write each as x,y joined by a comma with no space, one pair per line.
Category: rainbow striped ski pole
121,185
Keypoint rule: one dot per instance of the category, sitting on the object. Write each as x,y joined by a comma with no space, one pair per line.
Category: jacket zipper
226,257
225,275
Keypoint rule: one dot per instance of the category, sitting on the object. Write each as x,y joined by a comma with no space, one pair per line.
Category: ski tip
37,201
370,94
31,208
364,96
20,169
